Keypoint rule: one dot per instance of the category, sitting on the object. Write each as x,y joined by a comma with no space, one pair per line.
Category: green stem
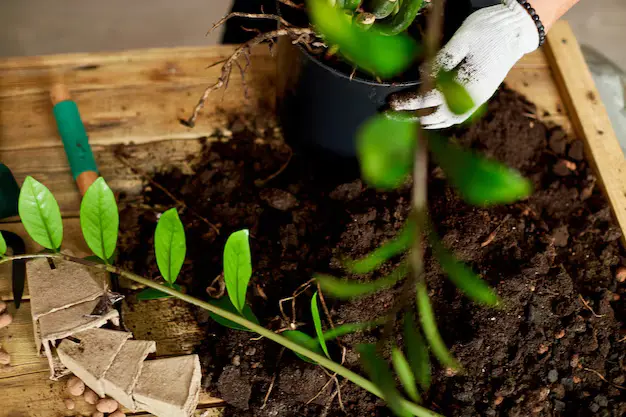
320,359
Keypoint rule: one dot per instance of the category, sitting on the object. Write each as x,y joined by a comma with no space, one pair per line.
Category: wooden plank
49,165
589,116
134,97
537,84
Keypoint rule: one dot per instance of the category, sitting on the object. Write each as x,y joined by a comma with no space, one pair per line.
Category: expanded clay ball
90,397
5,320
3,306
5,358
118,413
97,414
69,404
75,386
107,405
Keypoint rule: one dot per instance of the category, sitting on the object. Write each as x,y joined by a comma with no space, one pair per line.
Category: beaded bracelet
533,13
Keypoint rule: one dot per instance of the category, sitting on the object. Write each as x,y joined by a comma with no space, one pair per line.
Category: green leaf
40,214
427,317
382,377
458,99
3,245
317,321
343,288
154,294
405,373
401,21
386,251
348,328
371,51
480,181
99,219
385,148
225,304
169,245
462,276
304,340
417,352
237,267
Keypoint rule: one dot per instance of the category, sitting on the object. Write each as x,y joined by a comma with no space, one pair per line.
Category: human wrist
551,10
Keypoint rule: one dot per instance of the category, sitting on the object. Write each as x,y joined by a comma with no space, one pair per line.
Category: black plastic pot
321,107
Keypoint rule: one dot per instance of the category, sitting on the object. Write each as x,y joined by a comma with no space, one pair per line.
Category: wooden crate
139,96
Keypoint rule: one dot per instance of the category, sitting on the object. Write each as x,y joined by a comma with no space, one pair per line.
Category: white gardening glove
483,50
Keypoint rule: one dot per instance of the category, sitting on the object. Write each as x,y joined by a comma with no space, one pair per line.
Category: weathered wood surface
138,96
135,96
589,116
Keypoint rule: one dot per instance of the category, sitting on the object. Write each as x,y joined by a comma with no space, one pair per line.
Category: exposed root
269,391
292,4
493,234
599,375
599,316
302,35
178,202
302,288
218,292
248,16
324,307
262,182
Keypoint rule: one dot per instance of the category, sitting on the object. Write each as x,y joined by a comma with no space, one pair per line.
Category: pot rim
342,74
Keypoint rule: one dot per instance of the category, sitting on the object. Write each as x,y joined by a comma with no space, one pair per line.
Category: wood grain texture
49,166
589,116
135,96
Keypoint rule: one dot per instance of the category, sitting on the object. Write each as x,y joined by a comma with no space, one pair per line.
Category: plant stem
321,360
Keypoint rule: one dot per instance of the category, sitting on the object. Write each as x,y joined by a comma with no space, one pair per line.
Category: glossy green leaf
385,148
417,352
398,23
343,288
429,325
3,245
225,304
371,51
458,99
99,219
40,214
348,328
480,181
350,5
382,377
462,276
170,245
304,340
154,294
382,8
386,251
317,322
405,373
237,267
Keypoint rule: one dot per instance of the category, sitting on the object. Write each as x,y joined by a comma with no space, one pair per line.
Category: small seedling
237,274
170,249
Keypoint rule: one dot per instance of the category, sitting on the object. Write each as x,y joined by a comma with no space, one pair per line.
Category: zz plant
391,147
99,218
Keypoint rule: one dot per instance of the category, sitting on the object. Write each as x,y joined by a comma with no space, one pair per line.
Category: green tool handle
74,136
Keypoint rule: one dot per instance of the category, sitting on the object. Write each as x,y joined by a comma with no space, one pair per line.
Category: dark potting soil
556,346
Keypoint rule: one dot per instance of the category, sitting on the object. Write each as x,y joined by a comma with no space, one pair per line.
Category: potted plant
324,94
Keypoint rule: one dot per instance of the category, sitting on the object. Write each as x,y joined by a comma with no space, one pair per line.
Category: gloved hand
483,50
